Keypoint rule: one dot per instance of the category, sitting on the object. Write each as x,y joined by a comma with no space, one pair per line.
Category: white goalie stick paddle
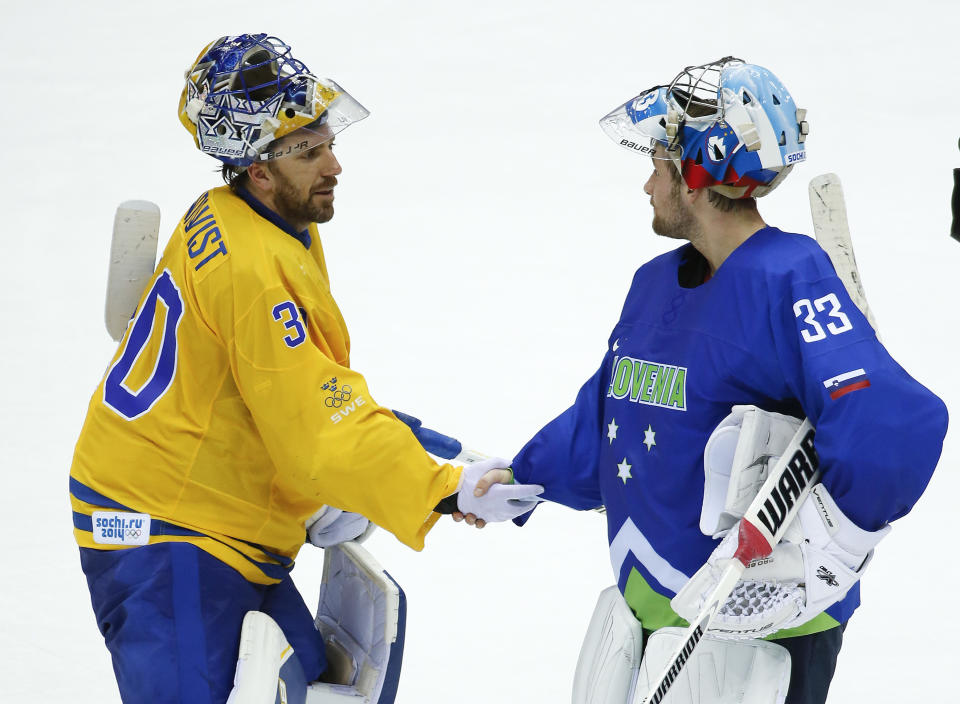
133,254
797,471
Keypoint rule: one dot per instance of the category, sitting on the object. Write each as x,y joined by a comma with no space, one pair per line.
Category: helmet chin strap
674,122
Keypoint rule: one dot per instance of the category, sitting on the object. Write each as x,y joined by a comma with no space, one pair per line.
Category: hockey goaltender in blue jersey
774,327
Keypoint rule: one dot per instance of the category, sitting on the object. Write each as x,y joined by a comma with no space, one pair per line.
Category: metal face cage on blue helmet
727,125
245,92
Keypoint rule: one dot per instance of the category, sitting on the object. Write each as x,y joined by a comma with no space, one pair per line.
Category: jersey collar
265,212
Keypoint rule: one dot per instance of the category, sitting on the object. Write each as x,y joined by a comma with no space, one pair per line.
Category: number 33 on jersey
831,329
831,317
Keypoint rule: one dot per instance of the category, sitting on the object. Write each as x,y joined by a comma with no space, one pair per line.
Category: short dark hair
234,176
720,202
729,205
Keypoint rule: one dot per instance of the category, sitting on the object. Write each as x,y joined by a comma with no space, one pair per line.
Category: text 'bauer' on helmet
244,92
727,125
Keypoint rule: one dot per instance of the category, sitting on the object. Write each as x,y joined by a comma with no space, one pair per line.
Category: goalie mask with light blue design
245,92
727,125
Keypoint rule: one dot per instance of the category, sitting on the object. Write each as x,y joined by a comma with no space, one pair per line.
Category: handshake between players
230,423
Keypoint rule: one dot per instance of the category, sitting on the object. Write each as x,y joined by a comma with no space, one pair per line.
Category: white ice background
485,236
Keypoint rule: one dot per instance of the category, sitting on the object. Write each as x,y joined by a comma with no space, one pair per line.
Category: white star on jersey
624,472
612,430
649,437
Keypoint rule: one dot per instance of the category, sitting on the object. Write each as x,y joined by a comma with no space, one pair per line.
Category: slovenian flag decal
845,383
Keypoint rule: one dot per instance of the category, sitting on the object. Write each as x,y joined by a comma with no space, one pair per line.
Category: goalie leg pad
267,670
720,671
362,616
610,655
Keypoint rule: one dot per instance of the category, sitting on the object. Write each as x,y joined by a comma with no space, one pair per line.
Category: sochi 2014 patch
120,528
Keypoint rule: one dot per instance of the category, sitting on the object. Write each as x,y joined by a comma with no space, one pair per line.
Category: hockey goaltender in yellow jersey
229,414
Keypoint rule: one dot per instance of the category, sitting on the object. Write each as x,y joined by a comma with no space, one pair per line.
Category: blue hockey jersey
774,327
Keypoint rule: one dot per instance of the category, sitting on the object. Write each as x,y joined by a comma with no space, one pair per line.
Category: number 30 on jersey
818,311
129,402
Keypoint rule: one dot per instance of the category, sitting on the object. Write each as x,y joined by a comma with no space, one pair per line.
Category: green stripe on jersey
651,608
821,622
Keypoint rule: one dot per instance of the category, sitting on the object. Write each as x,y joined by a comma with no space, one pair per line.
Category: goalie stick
829,213
791,479
133,254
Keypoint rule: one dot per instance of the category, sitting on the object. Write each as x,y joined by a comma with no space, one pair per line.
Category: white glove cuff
832,525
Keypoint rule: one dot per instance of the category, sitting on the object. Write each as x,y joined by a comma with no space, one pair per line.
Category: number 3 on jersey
288,314
837,322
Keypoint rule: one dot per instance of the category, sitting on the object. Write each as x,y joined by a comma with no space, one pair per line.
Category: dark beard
293,208
682,225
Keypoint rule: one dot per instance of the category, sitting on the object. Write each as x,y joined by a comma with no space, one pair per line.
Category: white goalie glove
330,526
822,556
501,502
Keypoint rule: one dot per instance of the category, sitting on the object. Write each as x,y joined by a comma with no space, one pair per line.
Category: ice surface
485,237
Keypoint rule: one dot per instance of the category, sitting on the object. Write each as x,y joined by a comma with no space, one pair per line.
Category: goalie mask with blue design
245,92
727,125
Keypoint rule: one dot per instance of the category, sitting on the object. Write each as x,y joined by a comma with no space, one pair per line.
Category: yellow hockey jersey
230,414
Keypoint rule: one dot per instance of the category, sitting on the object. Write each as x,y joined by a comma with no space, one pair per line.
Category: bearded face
672,215
304,196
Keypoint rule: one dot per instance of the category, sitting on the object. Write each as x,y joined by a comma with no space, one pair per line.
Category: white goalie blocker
362,616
